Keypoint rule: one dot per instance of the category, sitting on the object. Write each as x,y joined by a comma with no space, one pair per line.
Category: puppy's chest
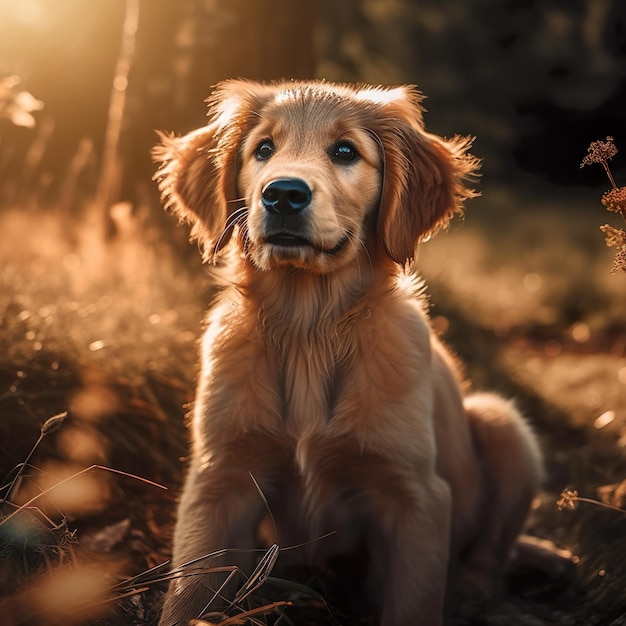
310,382
309,387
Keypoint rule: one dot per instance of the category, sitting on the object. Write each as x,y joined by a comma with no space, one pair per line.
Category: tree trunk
184,48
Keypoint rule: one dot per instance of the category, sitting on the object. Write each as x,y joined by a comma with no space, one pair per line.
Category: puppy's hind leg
513,471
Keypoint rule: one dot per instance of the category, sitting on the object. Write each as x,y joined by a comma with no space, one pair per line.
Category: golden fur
320,375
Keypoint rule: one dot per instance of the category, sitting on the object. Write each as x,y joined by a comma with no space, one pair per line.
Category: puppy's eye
264,150
343,152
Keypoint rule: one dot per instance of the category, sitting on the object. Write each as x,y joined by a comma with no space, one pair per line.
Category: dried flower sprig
601,152
569,502
615,238
613,200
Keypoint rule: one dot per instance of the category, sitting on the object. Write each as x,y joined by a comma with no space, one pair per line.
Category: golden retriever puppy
320,375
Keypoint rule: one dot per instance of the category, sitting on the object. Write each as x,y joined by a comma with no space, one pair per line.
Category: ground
105,329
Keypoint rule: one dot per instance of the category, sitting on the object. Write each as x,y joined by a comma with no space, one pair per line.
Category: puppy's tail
513,469
505,441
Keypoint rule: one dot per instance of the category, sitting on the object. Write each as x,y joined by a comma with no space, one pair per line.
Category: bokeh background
102,298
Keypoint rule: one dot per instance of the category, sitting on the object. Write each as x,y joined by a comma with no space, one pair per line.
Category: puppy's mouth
286,240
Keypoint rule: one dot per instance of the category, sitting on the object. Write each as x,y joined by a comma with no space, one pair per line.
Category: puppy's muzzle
286,196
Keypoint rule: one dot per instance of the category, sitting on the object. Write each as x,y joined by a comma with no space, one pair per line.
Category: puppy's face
310,176
313,174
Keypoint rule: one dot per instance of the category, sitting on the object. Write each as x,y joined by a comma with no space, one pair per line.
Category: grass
56,584
88,327
105,330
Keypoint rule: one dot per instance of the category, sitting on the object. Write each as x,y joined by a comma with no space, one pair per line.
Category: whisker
242,199
237,216
244,236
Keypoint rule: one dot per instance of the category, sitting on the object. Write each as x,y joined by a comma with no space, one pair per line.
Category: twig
569,498
80,473
49,426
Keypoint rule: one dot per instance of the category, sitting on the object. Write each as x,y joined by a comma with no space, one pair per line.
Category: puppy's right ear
197,173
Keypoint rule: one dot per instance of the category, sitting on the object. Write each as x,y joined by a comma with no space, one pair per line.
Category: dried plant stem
613,200
603,505
609,174
262,610
49,426
15,483
569,498
76,475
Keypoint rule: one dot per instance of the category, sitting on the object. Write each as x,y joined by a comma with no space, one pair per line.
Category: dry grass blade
73,476
244,617
259,576
144,578
211,555
218,594
49,426
305,590
265,503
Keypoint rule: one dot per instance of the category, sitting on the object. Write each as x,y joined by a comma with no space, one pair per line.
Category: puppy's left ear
425,177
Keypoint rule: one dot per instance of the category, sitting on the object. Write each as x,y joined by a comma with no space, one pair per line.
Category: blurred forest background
101,297
535,81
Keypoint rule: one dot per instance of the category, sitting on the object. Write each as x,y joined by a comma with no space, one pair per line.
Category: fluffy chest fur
300,362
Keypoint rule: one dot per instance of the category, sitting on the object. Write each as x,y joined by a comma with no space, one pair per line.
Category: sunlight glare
552,348
120,83
67,594
82,445
93,403
67,490
581,333
604,420
533,281
28,12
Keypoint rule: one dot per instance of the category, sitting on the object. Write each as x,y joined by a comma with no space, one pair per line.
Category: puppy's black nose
286,195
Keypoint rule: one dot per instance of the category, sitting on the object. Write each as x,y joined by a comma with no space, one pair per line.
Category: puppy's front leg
412,558
221,508
405,509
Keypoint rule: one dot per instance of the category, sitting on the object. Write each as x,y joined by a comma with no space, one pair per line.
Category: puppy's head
313,174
